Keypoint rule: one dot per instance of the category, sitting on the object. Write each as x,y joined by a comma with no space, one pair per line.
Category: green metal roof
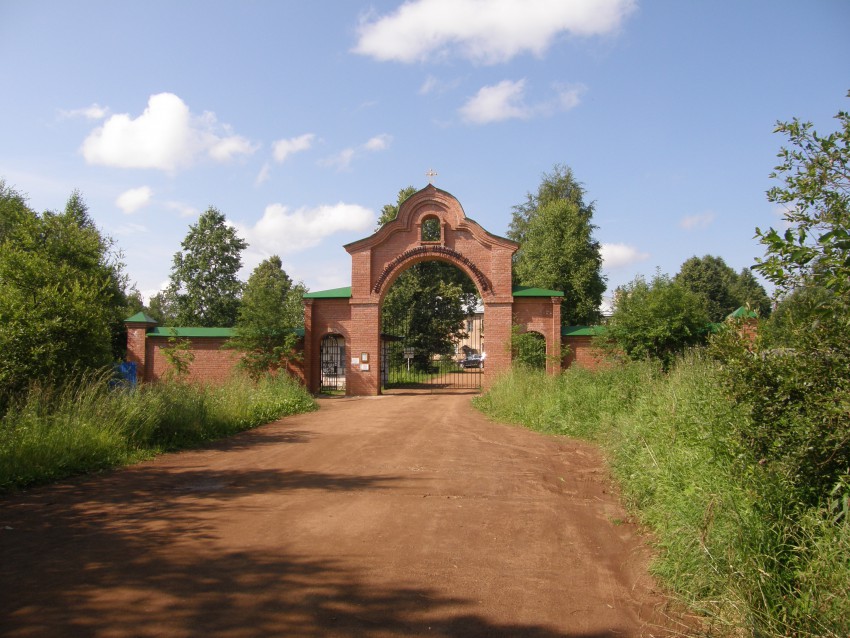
582,331
167,331
140,317
742,313
529,291
333,293
518,291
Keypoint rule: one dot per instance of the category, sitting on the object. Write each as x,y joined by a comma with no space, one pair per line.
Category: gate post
310,368
364,378
497,339
553,361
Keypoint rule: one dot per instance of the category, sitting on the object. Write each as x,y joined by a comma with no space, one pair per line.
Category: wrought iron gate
405,363
332,364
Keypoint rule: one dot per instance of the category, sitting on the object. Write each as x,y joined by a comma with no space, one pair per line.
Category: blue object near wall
125,375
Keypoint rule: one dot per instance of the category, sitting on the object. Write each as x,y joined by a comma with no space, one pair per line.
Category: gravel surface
401,515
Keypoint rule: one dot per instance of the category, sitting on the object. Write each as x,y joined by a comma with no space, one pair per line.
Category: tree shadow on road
132,554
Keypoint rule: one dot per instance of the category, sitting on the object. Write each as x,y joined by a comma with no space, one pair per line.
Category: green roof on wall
333,293
518,291
742,313
529,291
168,331
582,331
140,317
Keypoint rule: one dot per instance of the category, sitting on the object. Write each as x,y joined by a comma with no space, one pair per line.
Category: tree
795,312
13,209
557,249
815,191
528,349
390,211
162,308
657,320
712,280
428,304
204,285
77,212
134,303
61,294
270,313
750,293
796,378
722,289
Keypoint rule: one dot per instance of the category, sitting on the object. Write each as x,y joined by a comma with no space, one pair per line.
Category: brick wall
580,351
212,363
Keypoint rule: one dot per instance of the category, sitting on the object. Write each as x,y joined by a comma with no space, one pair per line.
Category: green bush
656,320
798,401
735,541
528,349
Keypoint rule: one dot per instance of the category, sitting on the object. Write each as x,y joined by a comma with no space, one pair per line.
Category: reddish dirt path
404,515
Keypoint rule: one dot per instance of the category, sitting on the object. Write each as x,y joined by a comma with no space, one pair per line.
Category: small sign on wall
355,362
364,367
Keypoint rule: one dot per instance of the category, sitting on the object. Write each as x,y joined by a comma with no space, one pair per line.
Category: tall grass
87,426
732,541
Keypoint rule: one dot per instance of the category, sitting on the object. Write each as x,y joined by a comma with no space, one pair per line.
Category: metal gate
407,362
332,364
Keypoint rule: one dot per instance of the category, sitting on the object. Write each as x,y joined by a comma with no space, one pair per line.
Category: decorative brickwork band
431,250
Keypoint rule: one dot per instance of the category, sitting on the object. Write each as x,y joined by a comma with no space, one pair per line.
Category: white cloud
93,112
506,100
502,101
132,200
285,148
263,175
281,230
166,136
433,84
430,84
484,31
342,160
619,255
129,229
184,210
225,149
569,96
698,222
378,143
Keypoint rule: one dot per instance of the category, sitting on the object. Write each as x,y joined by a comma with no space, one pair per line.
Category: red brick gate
352,315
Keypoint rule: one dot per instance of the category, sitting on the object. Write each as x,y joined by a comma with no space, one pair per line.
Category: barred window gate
332,363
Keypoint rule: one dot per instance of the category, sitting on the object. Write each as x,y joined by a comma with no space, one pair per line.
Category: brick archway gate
431,225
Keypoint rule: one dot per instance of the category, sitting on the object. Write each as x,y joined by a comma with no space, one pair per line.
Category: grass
732,541
87,426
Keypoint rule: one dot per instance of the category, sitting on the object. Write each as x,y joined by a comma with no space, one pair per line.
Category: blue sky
299,120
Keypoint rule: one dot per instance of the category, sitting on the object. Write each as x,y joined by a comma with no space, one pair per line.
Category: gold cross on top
430,175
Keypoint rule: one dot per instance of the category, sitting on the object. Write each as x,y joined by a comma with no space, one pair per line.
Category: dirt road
384,517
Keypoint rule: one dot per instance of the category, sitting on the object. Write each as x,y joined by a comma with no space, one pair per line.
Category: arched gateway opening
432,328
431,233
